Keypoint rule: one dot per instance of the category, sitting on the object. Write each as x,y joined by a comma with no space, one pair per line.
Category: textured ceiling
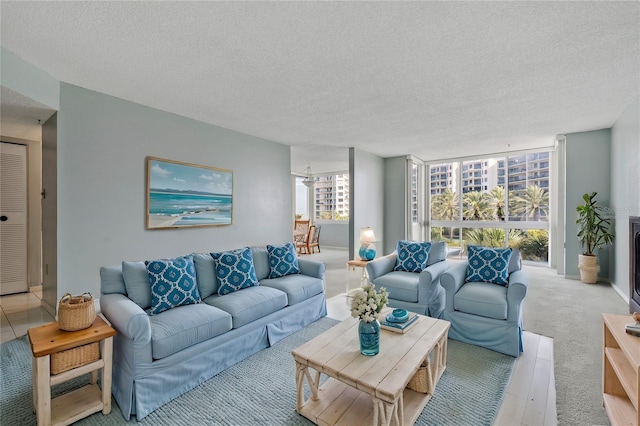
432,79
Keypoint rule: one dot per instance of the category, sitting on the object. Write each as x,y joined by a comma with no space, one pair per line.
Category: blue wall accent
395,205
102,145
588,170
625,192
366,173
22,77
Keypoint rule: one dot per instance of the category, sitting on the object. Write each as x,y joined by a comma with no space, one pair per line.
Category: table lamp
367,249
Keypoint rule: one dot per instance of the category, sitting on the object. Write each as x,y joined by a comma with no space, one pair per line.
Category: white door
13,218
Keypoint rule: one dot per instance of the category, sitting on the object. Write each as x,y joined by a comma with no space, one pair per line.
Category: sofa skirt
142,391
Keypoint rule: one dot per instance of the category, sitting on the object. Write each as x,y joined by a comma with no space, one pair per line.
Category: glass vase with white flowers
366,304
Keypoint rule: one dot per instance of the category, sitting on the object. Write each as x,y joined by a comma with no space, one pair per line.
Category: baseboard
35,288
617,290
50,309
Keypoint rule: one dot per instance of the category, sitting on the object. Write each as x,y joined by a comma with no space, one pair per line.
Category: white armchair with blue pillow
484,299
411,275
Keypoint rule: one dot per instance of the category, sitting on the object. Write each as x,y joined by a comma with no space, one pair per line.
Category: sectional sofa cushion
249,304
205,274
261,262
283,260
111,280
136,281
181,327
400,285
515,262
234,270
489,265
483,299
437,253
297,286
412,256
173,283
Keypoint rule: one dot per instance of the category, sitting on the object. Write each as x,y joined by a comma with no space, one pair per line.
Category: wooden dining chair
303,246
315,240
300,230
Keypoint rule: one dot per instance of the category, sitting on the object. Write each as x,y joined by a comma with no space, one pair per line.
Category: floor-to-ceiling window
494,201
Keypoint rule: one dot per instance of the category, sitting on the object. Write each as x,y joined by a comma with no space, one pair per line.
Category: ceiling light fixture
309,180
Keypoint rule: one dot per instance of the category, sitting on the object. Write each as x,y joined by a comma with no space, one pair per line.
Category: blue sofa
156,358
416,292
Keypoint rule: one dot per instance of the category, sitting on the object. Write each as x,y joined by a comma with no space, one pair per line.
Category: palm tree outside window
509,206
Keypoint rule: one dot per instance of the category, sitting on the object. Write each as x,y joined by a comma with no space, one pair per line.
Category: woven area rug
261,389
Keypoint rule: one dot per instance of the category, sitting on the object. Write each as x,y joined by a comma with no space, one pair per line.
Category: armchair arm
429,289
516,291
381,266
312,268
428,277
452,279
131,322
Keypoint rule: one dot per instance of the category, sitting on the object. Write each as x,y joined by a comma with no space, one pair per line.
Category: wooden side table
358,263
48,339
620,371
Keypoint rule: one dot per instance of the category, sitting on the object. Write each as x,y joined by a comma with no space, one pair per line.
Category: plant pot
588,265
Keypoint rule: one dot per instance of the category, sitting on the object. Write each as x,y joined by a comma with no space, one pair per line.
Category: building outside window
331,195
495,202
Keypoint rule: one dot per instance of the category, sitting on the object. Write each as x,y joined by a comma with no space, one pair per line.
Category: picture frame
185,195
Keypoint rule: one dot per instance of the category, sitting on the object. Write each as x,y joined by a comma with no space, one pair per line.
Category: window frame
506,224
334,196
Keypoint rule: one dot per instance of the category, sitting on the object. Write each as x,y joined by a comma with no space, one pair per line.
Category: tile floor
20,312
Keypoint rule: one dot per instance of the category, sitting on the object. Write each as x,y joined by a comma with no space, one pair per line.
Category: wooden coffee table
365,390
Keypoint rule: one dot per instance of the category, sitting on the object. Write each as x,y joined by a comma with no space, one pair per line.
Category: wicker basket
421,382
72,358
76,312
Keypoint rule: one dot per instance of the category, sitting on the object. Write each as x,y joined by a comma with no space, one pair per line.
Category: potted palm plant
594,232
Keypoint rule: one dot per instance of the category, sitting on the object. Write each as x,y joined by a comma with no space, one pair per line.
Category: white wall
367,198
588,170
102,145
625,188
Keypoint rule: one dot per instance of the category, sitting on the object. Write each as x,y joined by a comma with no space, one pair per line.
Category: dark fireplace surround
634,264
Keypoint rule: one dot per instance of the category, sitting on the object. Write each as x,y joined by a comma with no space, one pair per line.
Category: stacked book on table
399,323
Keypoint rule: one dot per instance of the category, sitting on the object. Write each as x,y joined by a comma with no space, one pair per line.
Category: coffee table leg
302,371
384,412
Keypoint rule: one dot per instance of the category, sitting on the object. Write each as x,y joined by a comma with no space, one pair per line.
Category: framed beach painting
183,195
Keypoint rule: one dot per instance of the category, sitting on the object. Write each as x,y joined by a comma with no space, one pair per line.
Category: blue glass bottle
369,337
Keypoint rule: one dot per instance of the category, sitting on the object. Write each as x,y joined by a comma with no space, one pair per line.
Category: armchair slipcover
486,314
418,292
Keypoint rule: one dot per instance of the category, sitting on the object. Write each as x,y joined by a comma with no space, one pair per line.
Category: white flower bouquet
366,303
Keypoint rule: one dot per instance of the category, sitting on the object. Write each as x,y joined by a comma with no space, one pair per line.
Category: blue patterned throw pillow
412,256
489,265
173,283
234,270
283,260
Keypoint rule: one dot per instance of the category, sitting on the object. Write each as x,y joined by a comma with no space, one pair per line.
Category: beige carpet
571,312
567,310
